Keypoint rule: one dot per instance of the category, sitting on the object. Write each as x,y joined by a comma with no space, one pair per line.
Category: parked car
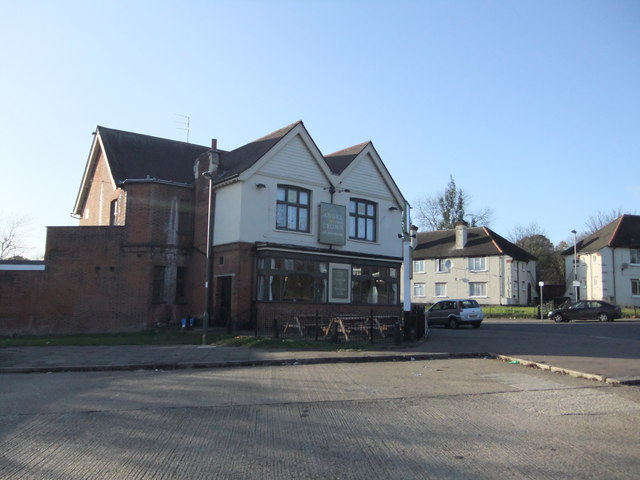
586,310
452,313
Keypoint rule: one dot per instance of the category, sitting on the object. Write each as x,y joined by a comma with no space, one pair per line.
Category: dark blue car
587,310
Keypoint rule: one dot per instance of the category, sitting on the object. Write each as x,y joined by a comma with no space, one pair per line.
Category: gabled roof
343,162
238,160
341,159
481,242
135,156
241,161
623,232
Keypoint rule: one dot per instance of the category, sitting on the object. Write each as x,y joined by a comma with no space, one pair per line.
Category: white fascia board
113,181
84,187
94,155
306,138
382,170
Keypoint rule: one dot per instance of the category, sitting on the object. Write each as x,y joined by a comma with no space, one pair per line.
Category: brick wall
101,193
236,260
100,278
78,291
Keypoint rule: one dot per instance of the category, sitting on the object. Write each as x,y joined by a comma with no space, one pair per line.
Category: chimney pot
214,144
461,234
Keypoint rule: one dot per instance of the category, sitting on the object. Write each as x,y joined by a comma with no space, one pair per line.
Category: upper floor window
635,255
292,209
442,265
477,264
418,266
362,220
477,289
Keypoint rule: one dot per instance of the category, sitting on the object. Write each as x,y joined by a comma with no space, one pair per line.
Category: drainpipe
613,271
332,190
503,276
518,280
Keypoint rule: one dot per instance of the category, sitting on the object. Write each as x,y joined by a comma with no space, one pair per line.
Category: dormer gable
360,169
295,144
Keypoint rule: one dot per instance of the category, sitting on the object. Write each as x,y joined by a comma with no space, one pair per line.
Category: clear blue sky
532,106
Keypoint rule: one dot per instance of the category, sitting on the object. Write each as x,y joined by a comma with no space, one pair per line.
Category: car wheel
558,318
475,324
603,317
452,323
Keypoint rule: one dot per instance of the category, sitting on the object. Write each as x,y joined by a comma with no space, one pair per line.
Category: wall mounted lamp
391,209
260,185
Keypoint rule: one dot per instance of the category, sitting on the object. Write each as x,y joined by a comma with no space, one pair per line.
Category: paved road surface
607,350
458,419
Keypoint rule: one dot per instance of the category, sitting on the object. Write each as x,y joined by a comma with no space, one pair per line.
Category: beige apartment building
471,263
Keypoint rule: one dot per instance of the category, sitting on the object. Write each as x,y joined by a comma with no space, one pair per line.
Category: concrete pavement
612,358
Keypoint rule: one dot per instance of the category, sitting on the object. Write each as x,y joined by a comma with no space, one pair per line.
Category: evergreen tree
451,204
442,211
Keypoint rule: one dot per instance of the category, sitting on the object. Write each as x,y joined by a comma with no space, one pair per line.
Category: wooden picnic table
294,322
346,323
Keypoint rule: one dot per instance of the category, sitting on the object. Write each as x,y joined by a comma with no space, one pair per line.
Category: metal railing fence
336,328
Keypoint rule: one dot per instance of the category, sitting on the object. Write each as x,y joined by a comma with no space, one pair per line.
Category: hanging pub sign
333,224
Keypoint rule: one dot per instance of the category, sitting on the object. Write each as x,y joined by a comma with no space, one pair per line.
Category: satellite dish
447,264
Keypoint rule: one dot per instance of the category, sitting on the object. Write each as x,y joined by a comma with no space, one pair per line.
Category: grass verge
174,336
152,336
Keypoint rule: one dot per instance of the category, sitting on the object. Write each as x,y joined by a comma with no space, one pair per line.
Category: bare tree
483,217
599,220
13,236
427,213
533,239
443,210
519,232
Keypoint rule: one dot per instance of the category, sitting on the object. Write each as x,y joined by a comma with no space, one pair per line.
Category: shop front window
375,285
282,279
291,280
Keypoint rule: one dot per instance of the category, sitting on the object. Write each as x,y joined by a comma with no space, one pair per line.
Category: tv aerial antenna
185,123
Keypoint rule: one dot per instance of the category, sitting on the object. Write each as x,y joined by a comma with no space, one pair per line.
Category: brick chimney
208,161
461,234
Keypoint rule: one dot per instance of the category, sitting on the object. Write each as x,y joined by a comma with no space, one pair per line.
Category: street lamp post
575,265
541,284
207,280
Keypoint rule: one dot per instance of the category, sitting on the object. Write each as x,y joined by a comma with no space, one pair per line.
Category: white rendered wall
247,213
